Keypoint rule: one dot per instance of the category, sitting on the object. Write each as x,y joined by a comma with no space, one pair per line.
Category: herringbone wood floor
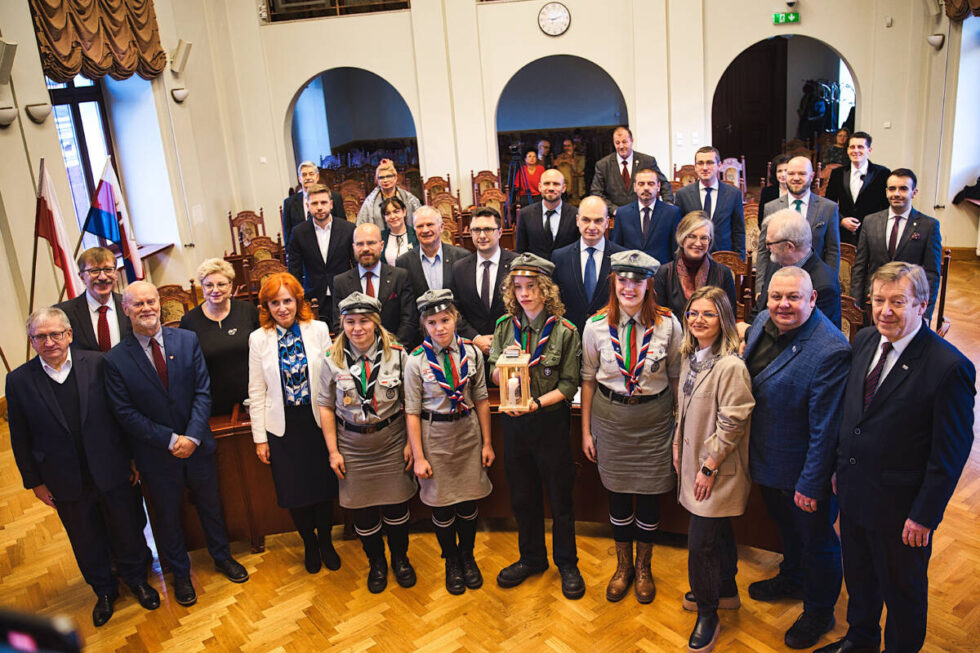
282,608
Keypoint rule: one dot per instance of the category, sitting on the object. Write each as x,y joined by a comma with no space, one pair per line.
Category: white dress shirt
791,202
323,241
555,221
111,317
494,262
896,351
714,195
375,278
59,375
432,268
394,249
857,179
890,224
597,256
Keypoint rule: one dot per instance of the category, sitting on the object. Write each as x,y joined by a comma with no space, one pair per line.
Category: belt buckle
369,428
632,401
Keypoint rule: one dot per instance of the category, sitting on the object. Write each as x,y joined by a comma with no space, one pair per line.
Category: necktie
485,285
159,363
631,338
871,381
449,368
398,244
105,341
646,222
707,201
798,205
626,176
590,279
368,285
547,225
893,238
856,183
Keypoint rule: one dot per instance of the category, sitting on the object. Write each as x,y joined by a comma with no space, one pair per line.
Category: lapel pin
171,356
905,367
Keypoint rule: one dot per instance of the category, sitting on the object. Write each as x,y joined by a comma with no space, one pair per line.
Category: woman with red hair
285,357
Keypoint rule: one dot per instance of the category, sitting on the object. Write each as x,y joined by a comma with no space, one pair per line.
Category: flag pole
30,309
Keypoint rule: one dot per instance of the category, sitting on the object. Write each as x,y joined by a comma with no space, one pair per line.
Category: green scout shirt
560,361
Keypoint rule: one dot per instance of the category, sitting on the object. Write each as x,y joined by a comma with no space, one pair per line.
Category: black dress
225,351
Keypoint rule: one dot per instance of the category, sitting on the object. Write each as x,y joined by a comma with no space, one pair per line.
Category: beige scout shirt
423,393
338,389
663,360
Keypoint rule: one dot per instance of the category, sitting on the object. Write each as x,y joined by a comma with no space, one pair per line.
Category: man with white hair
296,208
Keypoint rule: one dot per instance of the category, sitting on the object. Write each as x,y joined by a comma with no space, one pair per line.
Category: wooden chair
744,280
942,322
175,302
732,171
411,180
494,198
256,273
848,253
824,177
685,175
352,189
676,185
449,207
484,180
245,226
852,317
263,247
329,178
751,212
434,186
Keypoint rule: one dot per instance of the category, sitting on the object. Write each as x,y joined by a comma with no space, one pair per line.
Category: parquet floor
282,608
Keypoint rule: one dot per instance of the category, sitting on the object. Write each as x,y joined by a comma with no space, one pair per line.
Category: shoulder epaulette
663,311
467,342
328,352
417,350
598,316
503,318
568,324
395,345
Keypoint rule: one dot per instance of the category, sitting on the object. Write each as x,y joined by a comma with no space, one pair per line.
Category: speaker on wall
179,57
7,51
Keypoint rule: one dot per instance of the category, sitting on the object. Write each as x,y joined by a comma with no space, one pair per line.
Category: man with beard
646,224
549,224
613,178
296,208
97,318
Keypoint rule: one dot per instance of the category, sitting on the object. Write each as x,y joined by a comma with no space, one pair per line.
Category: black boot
466,530
398,544
324,524
450,551
374,548
705,633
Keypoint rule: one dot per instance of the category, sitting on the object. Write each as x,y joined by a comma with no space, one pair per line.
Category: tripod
516,173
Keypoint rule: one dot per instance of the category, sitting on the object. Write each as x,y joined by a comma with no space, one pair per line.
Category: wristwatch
707,471
537,401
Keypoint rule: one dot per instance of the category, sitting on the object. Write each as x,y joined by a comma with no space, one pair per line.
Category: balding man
613,179
819,212
549,224
158,387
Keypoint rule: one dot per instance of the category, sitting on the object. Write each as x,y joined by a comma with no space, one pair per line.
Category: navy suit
726,215
899,459
660,242
83,335
568,276
87,471
150,414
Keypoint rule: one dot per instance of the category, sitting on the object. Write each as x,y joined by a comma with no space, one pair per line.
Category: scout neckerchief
365,383
631,371
451,381
521,339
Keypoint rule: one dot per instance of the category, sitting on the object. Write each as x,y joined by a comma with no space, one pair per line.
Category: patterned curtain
958,10
98,38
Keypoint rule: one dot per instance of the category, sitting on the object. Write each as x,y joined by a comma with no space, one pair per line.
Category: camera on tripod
516,149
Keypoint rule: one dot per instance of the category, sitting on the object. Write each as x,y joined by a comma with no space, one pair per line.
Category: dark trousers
712,560
200,475
313,522
538,449
100,523
811,549
629,523
878,569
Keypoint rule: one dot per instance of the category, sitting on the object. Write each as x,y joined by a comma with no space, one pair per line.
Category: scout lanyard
521,339
451,382
631,376
365,384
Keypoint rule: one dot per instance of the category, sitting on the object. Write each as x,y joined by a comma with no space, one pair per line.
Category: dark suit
824,234
393,290
660,242
478,322
870,200
150,414
899,459
568,276
316,273
825,281
921,243
80,317
607,182
531,234
411,262
726,215
293,212
84,464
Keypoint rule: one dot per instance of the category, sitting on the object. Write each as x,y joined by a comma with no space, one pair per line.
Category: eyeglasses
221,285
55,336
95,272
699,239
772,244
482,230
693,315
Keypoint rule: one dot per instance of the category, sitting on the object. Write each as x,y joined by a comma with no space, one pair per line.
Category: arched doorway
539,103
782,88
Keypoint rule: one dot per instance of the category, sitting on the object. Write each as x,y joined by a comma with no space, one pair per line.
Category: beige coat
714,420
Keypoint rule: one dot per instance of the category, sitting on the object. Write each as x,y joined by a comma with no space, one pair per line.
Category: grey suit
824,224
607,182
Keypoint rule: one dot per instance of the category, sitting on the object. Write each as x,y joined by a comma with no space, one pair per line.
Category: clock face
554,19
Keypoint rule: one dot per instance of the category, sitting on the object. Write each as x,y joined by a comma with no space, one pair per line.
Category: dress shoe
775,589
705,633
724,602
102,611
146,595
808,629
572,585
377,579
329,555
311,557
232,570
516,573
622,578
455,583
404,572
471,573
184,591
846,646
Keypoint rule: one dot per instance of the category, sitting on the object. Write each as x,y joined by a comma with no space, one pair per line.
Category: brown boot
644,588
620,581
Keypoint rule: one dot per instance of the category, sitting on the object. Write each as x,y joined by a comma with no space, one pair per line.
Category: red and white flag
50,225
109,218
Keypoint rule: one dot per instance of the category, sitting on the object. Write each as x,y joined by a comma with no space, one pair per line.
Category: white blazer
265,399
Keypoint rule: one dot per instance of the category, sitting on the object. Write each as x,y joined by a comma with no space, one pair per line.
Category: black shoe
232,570
775,589
846,646
146,595
311,557
808,629
102,611
471,573
724,602
404,572
377,579
572,585
455,583
329,555
705,633
184,591
515,574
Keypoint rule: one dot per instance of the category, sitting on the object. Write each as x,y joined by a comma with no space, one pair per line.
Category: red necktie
368,286
159,363
626,176
105,340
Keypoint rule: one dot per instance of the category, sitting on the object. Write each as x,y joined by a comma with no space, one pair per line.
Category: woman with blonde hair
710,451
386,177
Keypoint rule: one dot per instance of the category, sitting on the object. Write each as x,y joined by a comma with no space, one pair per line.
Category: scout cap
358,302
530,265
434,301
634,264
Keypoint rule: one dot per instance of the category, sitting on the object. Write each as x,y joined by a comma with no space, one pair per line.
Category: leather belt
368,428
443,417
617,398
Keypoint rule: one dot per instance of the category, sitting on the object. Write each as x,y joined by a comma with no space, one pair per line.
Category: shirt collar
293,329
599,247
806,198
50,371
653,204
863,169
94,305
900,345
145,340
770,328
376,270
451,347
629,160
892,214
557,209
370,353
712,187
537,323
495,258
625,317
326,228
437,257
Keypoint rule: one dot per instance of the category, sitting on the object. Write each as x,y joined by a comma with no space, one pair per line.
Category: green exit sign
783,17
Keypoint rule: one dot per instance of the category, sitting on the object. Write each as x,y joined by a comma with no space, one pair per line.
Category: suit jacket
80,317
531,236
921,243
306,264
568,276
797,412
670,293
871,198
293,213
726,215
393,290
768,194
150,413
902,457
41,439
266,405
411,262
477,321
607,182
824,227
825,281
660,242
